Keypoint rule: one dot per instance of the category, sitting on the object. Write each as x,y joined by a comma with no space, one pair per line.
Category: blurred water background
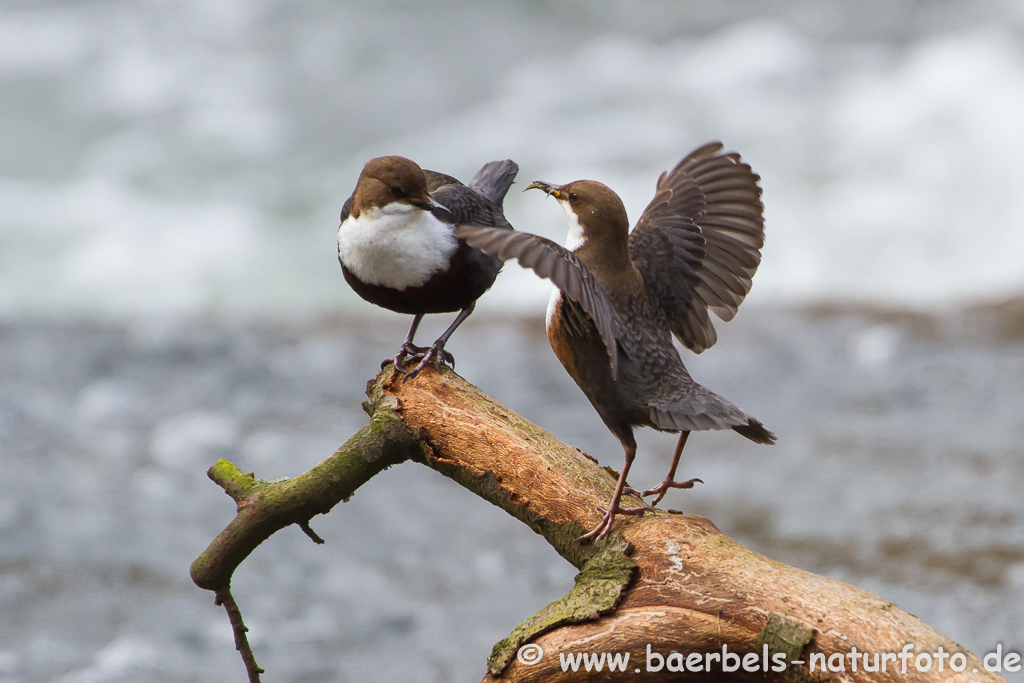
170,180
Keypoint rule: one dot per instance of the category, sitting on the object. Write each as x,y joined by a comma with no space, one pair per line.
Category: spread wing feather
558,264
698,243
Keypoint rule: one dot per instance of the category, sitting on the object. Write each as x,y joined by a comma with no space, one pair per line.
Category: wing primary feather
558,264
698,242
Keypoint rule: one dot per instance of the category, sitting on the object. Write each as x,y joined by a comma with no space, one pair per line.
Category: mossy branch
264,507
597,590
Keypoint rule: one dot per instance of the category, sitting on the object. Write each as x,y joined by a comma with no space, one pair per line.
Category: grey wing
558,264
698,243
437,180
463,205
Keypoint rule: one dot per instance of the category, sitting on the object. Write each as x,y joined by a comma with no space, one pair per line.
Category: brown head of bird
598,224
391,179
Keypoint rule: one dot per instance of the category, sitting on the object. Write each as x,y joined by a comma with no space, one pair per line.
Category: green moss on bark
788,637
598,589
264,507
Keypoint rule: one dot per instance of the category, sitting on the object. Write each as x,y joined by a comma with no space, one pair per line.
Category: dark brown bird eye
573,196
397,191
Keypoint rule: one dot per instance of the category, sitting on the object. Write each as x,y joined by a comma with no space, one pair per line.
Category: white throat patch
573,241
398,246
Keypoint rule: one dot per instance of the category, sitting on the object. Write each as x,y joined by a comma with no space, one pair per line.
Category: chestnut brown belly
578,346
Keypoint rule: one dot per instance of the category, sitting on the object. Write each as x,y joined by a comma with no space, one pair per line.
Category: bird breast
397,246
556,297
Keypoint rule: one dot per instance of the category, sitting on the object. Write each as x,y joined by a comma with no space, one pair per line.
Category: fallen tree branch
660,583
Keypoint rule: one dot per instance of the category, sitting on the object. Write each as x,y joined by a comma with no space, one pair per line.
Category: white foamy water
193,157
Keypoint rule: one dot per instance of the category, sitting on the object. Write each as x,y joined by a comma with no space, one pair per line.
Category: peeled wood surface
505,458
694,588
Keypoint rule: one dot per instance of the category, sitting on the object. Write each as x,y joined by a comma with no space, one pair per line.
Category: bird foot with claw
435,353
409,351
661,489
605,526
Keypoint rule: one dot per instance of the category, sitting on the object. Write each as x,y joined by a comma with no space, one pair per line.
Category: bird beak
548,188
431,204
427,203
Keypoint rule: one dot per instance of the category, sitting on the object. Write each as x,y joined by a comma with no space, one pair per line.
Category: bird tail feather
755,431
722,415
494,179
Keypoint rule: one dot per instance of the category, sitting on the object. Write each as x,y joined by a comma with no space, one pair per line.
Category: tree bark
660,583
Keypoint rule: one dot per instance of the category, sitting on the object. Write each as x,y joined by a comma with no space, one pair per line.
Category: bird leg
669,481
436,351
408,350
602,529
